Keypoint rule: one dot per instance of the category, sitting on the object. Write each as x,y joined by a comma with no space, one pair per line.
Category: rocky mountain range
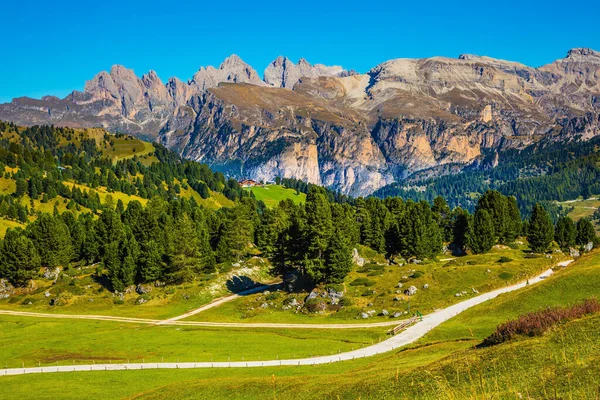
349,131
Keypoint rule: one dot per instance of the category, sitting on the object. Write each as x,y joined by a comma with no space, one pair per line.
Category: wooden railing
403,325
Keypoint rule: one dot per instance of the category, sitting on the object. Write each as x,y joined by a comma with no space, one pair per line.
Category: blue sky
53,47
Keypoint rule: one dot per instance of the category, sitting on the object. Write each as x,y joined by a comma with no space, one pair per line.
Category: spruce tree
338,259
19,259
184,258
541,230
481,237
151,261
460,228
52,239
318,232
565,233
585,232
496,204
514,225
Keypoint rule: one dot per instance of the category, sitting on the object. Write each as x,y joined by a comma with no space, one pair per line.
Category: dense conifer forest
174,239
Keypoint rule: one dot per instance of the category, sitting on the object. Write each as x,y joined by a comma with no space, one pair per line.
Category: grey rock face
411,291
357,259
284,73
352,132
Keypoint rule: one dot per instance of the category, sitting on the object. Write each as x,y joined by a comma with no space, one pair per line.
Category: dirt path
222,300
404,338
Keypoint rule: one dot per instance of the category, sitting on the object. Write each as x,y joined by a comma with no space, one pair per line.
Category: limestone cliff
352,132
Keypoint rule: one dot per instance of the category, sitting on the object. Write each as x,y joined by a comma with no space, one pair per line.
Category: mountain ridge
353,132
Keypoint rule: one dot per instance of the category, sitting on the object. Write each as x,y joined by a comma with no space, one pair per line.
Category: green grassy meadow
377,287
563,364
271,195
49,341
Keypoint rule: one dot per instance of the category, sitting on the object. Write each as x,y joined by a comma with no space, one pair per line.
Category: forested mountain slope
352,132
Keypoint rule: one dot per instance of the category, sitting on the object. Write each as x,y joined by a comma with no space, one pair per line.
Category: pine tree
318,232
444,217
460,229
19,259
565,233
338,259
151,261
419,234
541,230
481,237
514,225
496,204
184,257
52,239
585,232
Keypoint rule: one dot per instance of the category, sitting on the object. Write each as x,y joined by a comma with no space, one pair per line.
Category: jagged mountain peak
233,61
282,72
353,134
583,54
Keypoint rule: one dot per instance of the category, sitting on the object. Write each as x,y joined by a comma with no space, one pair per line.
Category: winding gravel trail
222,300
403,338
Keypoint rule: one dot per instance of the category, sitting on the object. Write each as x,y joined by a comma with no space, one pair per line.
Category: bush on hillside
505,275
362,282
539,322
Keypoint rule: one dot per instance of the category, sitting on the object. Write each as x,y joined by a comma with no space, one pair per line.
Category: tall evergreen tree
419,234
565,233
585,232
460,228
481,237
540,229
184,259
338,259
19,259
52,239
514,224
443,217
318,232
496,204
151,260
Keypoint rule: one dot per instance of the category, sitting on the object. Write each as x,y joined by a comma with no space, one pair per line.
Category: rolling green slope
271,195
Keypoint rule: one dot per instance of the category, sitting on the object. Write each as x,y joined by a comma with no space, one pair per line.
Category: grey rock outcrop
411,291
352,132
284,73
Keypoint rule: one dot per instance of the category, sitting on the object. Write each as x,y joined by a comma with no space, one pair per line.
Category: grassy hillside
42,342
79,154
444,364
271,195
78,290
375,287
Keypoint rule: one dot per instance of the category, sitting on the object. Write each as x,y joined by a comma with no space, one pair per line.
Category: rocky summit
349,131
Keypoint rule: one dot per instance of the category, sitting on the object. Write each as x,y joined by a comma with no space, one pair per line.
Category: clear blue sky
53,47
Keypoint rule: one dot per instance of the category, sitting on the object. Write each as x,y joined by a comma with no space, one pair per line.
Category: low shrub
273,296
345,302
362,282
417,274
371,269
505,275
537,323
505,259
337,287
119,301
315,305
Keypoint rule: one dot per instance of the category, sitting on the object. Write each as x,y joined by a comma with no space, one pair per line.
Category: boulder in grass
411,291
